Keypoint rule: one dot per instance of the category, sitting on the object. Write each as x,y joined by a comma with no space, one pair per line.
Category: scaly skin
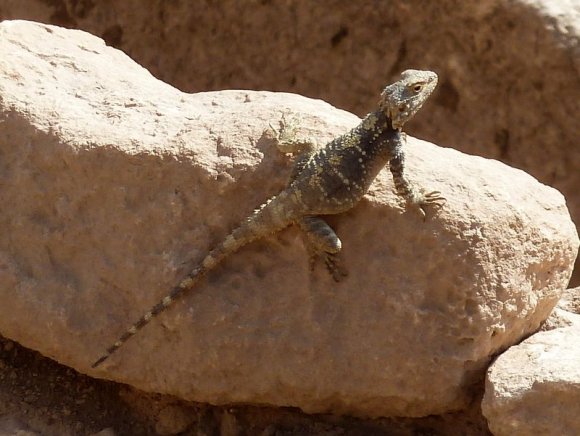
324,181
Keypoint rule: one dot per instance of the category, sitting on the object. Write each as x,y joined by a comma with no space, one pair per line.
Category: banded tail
276,214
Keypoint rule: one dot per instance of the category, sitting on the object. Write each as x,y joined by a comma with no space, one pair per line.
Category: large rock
508,91
114,184
534,387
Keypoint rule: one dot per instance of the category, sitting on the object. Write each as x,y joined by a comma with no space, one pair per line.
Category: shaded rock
534,387
118,183
228,424
105,432
11,426
173,419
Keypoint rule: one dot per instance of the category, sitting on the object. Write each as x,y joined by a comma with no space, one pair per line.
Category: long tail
271,217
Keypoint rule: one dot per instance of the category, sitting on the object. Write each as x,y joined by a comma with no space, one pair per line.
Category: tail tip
99,361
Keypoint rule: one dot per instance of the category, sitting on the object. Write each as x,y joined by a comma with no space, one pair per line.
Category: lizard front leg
322,240
414,196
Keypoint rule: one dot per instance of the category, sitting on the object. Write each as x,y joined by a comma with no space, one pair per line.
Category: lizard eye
417,87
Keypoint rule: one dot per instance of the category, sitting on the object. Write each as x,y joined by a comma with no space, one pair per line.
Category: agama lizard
324,181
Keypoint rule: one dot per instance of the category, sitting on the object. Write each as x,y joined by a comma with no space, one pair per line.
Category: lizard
323,181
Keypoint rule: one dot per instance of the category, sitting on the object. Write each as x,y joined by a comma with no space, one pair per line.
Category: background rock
567,311
570,300
113,177
534,387
510,70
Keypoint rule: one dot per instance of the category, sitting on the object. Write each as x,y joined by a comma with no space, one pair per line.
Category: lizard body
324,181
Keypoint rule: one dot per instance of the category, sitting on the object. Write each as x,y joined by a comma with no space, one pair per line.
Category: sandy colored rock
570,300
117,183
534,387
560,318
501,93
567,311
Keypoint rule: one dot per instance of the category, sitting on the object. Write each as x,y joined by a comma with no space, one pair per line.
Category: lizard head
401,100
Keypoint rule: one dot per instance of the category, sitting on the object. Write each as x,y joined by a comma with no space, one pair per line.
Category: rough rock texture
508,91
116,183
566,312
534,387
570,300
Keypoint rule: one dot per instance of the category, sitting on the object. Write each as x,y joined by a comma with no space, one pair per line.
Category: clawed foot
334,267
332,262
432,199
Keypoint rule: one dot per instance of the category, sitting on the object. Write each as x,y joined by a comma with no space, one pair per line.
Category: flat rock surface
114,184
534,387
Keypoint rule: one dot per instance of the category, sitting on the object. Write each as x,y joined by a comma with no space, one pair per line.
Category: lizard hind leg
322,240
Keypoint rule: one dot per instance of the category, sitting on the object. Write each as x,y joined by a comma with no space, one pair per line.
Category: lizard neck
377,140
376,128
